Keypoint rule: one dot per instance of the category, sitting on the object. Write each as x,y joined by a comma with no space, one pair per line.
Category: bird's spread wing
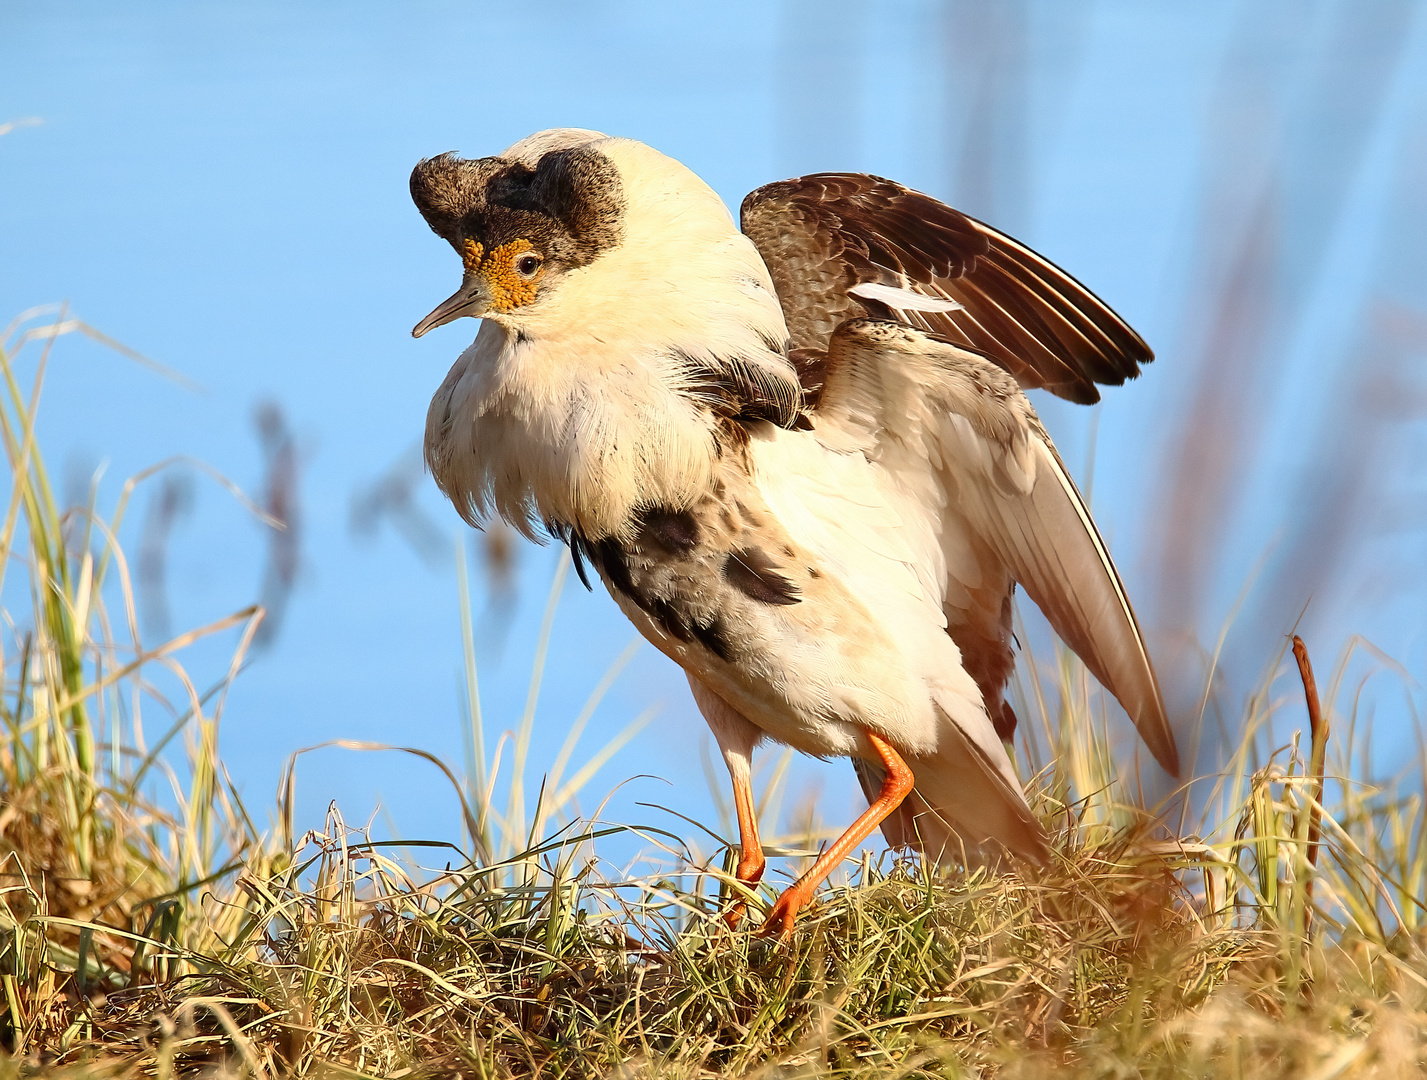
844,245
925,407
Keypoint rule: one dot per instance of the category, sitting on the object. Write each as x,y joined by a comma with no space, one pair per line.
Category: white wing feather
916,403
902,299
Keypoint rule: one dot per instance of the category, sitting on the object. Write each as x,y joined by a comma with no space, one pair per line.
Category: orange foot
785,911
750,872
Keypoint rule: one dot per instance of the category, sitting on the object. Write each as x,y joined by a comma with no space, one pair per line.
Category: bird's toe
785,912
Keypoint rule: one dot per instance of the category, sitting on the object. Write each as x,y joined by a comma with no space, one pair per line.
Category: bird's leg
895,786
736,738
751,862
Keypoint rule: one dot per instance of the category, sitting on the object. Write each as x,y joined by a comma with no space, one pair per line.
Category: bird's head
520,221
571,233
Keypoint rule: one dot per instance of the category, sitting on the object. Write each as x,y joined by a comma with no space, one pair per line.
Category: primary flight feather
799,456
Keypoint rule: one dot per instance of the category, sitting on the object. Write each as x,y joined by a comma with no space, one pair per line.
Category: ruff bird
799,456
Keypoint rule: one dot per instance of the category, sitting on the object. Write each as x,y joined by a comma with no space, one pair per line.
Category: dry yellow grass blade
149,936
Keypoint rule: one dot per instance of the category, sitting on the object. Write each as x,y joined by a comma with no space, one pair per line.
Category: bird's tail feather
962,810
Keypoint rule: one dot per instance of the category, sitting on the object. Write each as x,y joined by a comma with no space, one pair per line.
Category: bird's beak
473,298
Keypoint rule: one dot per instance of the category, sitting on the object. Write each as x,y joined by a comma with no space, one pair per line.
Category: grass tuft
148,928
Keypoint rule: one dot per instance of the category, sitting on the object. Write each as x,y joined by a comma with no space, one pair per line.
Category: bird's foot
734,915
750,872
785,912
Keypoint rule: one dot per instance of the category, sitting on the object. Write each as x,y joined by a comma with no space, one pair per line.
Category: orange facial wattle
471,255
508,288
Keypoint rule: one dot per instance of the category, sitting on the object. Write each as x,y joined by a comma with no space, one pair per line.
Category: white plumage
822,527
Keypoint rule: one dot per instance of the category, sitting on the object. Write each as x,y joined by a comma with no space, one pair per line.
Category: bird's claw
785,911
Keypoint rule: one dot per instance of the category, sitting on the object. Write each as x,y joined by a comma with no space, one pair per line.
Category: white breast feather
584,420
881,539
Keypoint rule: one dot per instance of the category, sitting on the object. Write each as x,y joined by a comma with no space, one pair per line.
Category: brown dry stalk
1318,732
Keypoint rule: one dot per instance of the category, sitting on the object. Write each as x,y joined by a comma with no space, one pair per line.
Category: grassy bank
149,927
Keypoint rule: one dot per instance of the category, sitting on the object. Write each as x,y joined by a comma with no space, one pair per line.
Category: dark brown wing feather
821,235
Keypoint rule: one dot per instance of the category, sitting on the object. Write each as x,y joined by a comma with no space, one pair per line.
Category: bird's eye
528,264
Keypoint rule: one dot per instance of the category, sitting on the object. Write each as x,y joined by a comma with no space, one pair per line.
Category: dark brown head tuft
569,205
446,189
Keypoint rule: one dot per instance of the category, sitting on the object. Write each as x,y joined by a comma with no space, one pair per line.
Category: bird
798,452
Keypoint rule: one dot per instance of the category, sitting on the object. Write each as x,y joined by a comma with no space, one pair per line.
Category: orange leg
751,861
895,786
